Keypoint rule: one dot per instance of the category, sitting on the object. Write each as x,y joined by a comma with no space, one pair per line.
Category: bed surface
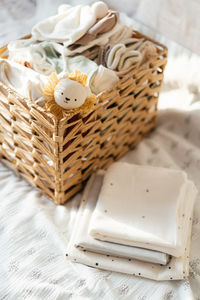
34,233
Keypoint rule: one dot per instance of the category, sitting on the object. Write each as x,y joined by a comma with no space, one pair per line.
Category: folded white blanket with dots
136,220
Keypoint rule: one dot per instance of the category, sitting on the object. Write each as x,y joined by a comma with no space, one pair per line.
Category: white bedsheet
34,233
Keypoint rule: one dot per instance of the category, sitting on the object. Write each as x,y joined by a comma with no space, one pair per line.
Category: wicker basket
57,157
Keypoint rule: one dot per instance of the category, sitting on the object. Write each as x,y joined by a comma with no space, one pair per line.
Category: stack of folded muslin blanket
91,39
135,220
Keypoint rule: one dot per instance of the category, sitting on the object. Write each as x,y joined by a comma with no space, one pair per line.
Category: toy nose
68,99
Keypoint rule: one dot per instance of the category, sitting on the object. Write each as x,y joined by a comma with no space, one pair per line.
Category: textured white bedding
34,233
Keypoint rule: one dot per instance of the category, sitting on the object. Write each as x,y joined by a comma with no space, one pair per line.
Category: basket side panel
27,143
121,118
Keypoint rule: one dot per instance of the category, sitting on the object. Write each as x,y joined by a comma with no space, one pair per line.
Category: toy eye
75,99
61,93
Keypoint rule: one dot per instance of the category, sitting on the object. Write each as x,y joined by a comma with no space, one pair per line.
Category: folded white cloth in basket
178,267
100,40
99,77
25,81
81,63
44,57
152,212
70,24
128,53
86,242
103,79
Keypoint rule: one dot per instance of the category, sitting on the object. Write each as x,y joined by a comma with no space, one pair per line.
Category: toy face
70,94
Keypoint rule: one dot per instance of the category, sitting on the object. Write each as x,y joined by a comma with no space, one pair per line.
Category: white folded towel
178,267
100,40
44,57
121,58
70,24
24,81
73,22
103,79
85,241
81,63
129,53
99,77
152,212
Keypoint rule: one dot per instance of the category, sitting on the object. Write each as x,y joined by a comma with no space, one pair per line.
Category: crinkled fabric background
34,233
178,20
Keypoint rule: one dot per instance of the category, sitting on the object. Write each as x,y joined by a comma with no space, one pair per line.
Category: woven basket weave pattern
58,156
